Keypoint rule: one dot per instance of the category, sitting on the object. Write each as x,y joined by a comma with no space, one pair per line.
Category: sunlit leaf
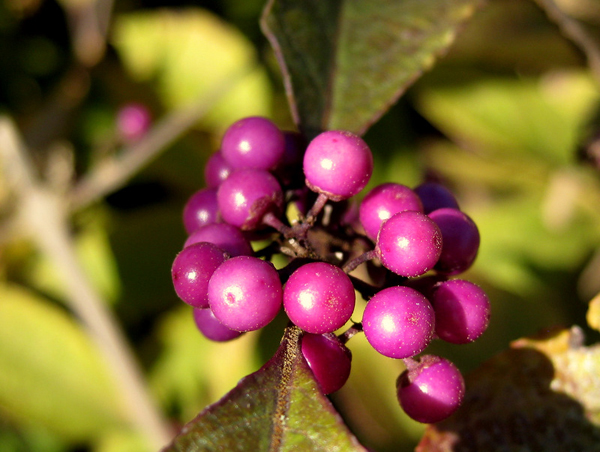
346,62
190,371
541,394
189,53
50,372
593,314
277,408
539,117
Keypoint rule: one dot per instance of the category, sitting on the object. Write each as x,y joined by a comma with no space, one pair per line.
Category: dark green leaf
277,408
346,62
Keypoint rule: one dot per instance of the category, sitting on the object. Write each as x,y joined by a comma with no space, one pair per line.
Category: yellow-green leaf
50,372
189,53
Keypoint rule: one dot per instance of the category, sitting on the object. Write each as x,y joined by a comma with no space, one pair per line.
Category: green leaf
50,372
189,53
190,372
277,408
553,384
346,62
505,115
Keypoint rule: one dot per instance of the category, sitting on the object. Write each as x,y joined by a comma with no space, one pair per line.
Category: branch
576,32
113,172
45,216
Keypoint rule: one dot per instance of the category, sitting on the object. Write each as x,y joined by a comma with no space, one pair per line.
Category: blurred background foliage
507,119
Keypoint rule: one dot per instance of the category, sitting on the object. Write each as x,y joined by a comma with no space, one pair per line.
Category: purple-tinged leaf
278,408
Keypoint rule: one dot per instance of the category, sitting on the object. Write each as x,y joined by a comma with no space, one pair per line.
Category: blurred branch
113,172
45,216
576,32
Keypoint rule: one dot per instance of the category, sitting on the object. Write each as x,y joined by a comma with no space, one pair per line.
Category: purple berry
287,170
253,142
211,328
460,239
201,209
225,236
247,195
133,122
462,311
329,360
192,269
431,390
409,243
435,196
216,170
337,164
245,293
398,322
319,297
384,201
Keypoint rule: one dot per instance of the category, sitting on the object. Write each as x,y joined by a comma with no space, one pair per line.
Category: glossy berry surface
398,322
384,201
201,209
409,243
337,164
211,328
431,390
329,360
192,269
462,311
435,196
460,238
253,142
216,170
245,293
226,236
247,195
319,297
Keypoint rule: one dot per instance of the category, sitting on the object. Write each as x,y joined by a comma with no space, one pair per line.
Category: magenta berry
245,293
460,238
430,390
319,297
409,243
247,195
435,196
384,201
192,269
201,209
399,322
225,236
133,122
462,311
211,328
337,164
253,142
329,360
216,170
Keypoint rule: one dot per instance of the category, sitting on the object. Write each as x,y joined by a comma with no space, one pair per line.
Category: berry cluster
411,240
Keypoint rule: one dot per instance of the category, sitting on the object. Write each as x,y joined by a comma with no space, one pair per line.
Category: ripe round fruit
319,297
253,142
211,328
245,294
192,269
432,390
247,195
398,322
409,243
462,311
329,360
337,164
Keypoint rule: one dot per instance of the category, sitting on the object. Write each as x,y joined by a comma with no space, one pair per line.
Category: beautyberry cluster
414,241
